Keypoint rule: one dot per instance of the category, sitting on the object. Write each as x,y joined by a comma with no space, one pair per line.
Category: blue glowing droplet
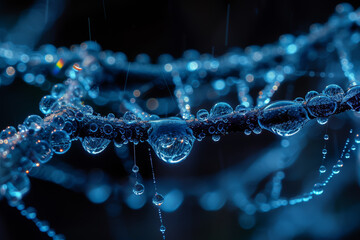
135,169
357,138
334,91
158,199
171,139
215,138
58,122
138,189
162,229
68,127
322,121
247,132
42,151
33,122
353,147
336,169
108,129
46,104
93,127
129,117
322,169
284,118
202,115
310,95
241,109
324,151
321,106
79,116
60,142
340,163
111,116
58,90
95,145
318,189
347,155
352,98
220,109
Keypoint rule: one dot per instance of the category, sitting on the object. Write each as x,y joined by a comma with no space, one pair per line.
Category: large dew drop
171,139
321,106
334,91
284,118
95,145
220,109
352,98
60,142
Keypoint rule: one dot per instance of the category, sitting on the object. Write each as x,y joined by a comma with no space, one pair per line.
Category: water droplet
321,106
111,116
95,145
220,109
68,127
158,199
353,147
335,169
324,151
299,100
42,151
93,127
202,115
284,118
241,109
108,129
33,122
334,91
340,163
247,132
171,139
58,90
58,122
322,121
46,103
310,95
135,169
79,116
60,142
138,189
162,229
129,117
347,155
352,98
215,138
318,189
326,137
322,169
357,138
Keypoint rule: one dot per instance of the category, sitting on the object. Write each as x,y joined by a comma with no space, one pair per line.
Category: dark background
157,27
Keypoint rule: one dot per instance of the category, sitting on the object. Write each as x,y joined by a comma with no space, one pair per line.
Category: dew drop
336,169
353,147
215,138
318,189
158,199
46,103
171,139
347,155
60,142
202,115
326,137
321,106
220,109
58,122
162,229
322,121
138,188
108,129
322,169
95,145
58,90
310,95
340,163
334,91
357,138
129,117
33,122
135,169
42,151
284,118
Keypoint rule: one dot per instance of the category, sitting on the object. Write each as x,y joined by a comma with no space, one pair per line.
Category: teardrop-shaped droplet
318,189
138,188
95,145
284,118
202,115
220,109
158,199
